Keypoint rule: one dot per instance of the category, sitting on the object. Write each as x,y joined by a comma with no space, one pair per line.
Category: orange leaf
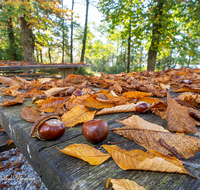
124,184
31,114
92,102
117,109
148,100
87,153
178,118
52,103
180,146
33,92
78,114
139,123
9,142
135,95
140,160
19,100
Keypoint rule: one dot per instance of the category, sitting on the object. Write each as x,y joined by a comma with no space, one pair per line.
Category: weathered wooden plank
60,171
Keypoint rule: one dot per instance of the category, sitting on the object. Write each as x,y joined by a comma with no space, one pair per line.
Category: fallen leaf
4,158
117,109
31,114
52,103
139,160
117,87
92,102
33,92
178,118
9,142
78,114
148,100
19,100
124,184
134,95
55,90
139,123
87,153
167,143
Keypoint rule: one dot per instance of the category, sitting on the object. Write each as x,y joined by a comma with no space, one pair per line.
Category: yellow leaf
140,160
78,114
124,184
87,153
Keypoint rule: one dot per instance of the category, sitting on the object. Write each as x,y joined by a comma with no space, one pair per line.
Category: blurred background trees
133,35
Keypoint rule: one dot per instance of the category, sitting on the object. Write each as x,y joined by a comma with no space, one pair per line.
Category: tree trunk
37,55
28,42
49,51
129,48
85,32
72,26
41,56
13,54
152,53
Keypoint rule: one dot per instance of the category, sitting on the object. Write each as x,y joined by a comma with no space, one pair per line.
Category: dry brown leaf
178,118
75,101
9,81
117,109
33,92
180,146
55,90
31,114
139,123
124,184
92,102
19,100
11,91
140,160
149,100
117,87
135,95
186,89
87,153
78,114
52,103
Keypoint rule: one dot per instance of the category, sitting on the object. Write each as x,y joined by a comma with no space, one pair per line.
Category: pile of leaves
111,93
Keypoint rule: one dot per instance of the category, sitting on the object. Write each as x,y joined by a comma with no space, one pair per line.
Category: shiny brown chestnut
95,130
141,107
52,129
78,92
48,127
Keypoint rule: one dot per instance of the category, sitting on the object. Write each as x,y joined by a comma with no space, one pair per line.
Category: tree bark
41,56
49,51
129,48
28,42
85,32
72,27
157,25
13,54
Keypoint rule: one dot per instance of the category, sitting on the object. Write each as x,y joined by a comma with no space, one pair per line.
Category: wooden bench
60,171
64,69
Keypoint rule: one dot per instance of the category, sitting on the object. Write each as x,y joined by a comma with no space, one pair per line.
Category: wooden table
64,69
60,171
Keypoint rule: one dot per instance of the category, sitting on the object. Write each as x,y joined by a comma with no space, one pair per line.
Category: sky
79,8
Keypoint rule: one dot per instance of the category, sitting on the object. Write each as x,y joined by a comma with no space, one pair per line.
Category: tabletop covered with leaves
155,149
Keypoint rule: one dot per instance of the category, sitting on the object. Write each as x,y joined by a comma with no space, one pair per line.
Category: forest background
113,35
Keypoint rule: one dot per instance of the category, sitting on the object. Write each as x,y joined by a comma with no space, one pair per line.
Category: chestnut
48,127
141,107
95,130
78,92
52,129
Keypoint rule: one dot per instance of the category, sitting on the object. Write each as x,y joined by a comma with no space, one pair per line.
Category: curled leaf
117,109
19,100
87,153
